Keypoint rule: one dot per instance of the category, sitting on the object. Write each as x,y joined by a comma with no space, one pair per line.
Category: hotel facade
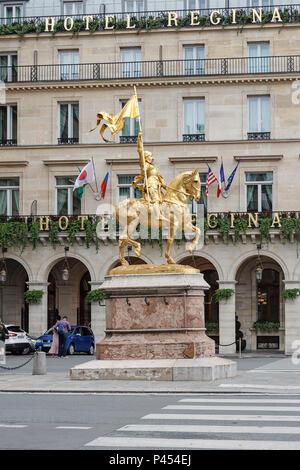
209,92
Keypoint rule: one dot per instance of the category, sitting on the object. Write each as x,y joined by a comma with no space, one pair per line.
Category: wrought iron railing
7,142
128,139
259,135
68,140
152,69
193,137
150,15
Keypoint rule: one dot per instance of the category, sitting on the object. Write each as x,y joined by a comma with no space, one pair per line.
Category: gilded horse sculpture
156,209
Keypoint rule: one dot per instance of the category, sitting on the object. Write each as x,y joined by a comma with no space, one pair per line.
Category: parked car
80,339
18,341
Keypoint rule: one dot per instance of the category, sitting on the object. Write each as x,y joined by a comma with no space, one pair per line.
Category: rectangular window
131,126
13,13
134,6
203,200
73,8
69,65
258,117
261,3
258,57
125,188
194,116
8,124
8,67
193,60
196,4
259,192
131,62
69,123
67,201
9,196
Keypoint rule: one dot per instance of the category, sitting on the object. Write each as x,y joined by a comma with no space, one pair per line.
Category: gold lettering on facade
214,223
87,20
276,16
108,20
233,16
195,21
63,222
232,220
257,15
49,22
253,220
276,220
212,18
68,23
44,223
172,17
82,218
129,25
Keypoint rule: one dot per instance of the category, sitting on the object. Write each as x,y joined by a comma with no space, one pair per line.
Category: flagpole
144,163
97,189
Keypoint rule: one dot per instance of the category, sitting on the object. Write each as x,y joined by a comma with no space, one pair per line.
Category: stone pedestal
155,316
155,329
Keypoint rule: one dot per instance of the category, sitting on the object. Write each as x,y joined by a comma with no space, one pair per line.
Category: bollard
39,364
240,348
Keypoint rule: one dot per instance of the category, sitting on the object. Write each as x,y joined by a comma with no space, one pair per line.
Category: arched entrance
210,274
68,297
13,309
259,305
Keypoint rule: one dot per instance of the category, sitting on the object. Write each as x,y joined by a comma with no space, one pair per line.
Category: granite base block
201,370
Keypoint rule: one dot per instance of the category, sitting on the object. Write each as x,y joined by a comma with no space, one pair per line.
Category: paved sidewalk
271,373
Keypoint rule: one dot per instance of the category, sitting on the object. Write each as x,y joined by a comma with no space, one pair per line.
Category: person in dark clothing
3,332
62,327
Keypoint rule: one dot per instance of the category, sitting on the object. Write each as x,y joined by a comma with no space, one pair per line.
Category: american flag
210,179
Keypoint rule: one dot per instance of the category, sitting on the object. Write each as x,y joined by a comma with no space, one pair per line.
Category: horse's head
192,185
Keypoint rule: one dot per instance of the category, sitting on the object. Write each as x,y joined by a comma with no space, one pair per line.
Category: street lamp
65,270
259,267
3,268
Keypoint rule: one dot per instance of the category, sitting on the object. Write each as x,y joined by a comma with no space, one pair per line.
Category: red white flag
86,176
210,179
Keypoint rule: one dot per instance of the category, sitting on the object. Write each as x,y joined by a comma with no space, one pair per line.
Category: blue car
80,339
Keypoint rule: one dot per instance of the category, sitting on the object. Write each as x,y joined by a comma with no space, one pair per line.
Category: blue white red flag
221,180
104,185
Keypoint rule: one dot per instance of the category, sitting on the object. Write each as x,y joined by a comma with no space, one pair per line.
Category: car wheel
71,349
91,350
26,350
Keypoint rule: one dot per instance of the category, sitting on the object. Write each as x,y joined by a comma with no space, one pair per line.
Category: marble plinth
201,370
155,316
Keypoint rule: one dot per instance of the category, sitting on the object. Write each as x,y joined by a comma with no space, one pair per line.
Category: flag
210,179
104,185
230,179
80,191
86,176
221,180
116,123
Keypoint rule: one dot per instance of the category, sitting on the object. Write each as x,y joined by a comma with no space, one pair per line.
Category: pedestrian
55,340
3,332
62,327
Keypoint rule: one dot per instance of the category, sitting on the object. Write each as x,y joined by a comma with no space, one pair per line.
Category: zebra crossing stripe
159,443
292,409
238,400
210,429
203,417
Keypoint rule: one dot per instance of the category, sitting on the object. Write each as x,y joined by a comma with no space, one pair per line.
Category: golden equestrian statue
156,208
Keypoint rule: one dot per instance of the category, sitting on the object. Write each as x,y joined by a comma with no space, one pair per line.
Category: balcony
259,135
128,139
68,141
193,137
8,142
152,69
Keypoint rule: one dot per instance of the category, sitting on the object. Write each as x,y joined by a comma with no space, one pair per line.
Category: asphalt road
139,422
